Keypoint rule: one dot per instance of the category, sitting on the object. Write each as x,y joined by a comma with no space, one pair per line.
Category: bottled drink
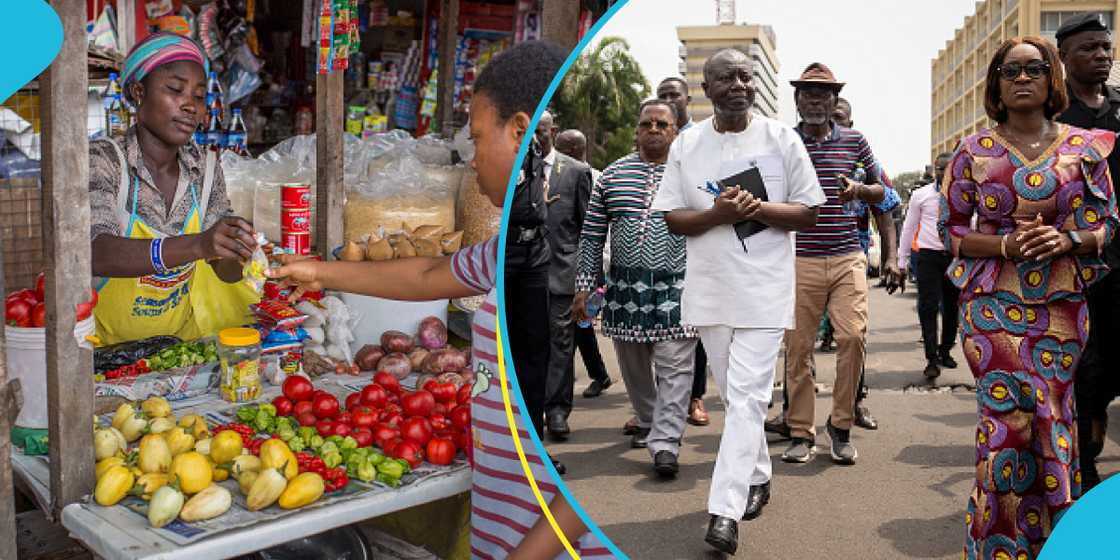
855,207
113,88
215,97
236,135
594,304
215,135
116,117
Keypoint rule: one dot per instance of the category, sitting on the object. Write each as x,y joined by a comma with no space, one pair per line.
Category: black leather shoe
560,468
864,419
947,361
723,534
665,463
777,426
640,438
596,388
558,427
758,497
932,370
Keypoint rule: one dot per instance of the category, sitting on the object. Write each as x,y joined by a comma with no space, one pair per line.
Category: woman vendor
167,254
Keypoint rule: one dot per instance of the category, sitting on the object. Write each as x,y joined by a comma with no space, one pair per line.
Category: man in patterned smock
642,312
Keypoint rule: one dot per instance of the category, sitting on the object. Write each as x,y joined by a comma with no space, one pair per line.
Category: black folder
750,181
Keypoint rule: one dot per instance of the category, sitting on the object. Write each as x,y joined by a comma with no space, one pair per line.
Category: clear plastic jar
239,351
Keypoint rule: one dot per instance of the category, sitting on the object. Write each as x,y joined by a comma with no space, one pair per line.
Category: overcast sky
881,48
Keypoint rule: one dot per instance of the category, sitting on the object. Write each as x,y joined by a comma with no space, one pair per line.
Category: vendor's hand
851,191
230,238
895,278
579,306
1040,242
299,272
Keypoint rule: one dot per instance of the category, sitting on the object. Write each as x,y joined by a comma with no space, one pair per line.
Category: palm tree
600,96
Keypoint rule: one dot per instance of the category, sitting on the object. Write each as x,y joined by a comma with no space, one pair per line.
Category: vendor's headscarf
156,50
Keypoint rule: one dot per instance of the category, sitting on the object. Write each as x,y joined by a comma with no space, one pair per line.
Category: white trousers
742,363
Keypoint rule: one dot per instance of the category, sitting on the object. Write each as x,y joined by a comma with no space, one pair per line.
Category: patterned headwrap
156,50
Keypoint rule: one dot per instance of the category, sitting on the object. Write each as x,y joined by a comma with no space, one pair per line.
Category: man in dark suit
567,191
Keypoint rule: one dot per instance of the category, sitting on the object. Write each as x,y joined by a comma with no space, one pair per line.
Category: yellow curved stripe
521,452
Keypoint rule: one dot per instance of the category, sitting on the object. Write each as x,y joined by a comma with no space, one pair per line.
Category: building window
1051,21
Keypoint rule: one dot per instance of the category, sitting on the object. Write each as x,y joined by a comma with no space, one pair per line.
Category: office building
756,41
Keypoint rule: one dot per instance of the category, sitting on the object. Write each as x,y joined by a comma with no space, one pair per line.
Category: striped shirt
503,507
836,232
646,277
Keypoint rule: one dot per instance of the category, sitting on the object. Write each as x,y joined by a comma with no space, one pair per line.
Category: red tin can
296,243
295,221
296,196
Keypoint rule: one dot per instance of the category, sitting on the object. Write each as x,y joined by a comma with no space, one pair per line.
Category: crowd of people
723,241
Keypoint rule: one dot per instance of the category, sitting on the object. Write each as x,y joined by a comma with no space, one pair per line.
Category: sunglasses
1034,69
661,125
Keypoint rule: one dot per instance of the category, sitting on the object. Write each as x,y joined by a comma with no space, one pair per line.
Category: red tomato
25,295
345,417
353,400
363,436
364,417
440,409
440,451
419,403
461,417
341,429
464,395
93,297
429,385
388,381
393,409
39,315
409,451
302,407
39,281
443,392
375,396
383,432
390,446
417,430
439,422
394,420
83,310
325,405
394,398
325,427
283,406
298,388
306,419
17,310
463,441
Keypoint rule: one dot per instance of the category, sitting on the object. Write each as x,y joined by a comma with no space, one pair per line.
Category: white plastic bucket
376,315
27,361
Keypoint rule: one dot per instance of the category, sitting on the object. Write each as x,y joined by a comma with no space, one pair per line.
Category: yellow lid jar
239,351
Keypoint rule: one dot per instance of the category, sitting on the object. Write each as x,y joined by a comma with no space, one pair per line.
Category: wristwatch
1075,239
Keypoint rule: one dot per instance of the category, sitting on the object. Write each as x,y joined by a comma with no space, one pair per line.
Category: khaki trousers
839,284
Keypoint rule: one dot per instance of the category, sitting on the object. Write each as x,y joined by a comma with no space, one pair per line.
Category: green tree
600,96
905,182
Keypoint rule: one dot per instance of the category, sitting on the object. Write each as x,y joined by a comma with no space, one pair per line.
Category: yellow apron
189,302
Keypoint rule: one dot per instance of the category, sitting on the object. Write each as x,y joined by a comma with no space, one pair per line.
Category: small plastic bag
254,271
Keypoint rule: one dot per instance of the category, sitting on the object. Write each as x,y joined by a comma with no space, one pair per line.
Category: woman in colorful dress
506,516
1045,208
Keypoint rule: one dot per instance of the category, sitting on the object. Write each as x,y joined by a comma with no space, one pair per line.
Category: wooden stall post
329,121
126,25
66,245
9,407
445,80
560,22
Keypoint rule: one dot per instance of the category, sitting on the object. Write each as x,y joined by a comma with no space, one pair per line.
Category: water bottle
116,117
236,135
215,135
855,207
111,90
594,304
214,96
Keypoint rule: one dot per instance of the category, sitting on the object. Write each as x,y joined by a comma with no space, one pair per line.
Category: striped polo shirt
836,232
503,507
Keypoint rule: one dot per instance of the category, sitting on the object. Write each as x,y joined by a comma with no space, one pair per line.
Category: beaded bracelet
156,254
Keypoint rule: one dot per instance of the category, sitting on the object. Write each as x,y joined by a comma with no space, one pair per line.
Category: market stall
376,188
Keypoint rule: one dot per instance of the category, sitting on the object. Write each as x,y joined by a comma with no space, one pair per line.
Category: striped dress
646,277
836,232
503,507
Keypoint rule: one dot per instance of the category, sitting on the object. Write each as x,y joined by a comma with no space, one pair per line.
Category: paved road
904,499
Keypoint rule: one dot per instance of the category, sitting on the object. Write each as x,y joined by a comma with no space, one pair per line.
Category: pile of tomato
28,309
